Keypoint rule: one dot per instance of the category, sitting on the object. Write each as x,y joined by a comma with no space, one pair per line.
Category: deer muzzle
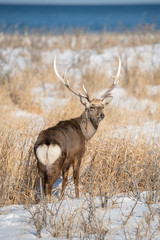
101,116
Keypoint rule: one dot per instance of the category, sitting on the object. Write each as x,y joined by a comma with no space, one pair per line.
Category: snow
146,57
16,223
13,60
22,113
123,100
46,96
148,132
153,90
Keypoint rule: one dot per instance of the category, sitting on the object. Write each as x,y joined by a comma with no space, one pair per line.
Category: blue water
93,18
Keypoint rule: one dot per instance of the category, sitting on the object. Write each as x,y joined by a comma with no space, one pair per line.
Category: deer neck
87,126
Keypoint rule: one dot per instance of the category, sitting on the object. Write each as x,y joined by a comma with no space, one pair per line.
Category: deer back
67,135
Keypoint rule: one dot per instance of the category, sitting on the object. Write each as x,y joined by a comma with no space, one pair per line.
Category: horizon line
74,4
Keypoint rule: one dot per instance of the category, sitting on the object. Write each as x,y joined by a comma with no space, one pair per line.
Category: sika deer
63,145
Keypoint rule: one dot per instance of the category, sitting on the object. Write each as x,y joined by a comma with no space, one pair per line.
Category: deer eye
91,108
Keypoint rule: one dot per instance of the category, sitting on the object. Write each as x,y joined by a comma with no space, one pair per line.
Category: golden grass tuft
118,165
18,172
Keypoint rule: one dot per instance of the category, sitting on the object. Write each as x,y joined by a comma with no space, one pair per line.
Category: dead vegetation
80,39
115,161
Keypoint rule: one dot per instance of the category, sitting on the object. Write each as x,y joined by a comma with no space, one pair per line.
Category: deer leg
41,171
48,190
41,189
76,166
64,183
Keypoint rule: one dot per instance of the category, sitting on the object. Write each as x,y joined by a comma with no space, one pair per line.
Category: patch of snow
146,57
123,100
118,93
15,221
46,96
22,113
153,90
13,60
133,104
46,89
49,103
149,131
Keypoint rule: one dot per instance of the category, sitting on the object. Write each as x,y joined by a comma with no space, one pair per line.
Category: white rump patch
42,153
54,152
47,155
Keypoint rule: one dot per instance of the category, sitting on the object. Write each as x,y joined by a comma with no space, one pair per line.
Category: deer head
94,108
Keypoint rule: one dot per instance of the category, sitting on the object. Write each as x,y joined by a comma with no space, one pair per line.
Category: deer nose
102,115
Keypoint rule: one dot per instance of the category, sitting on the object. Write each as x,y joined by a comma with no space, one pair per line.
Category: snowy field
148,57
16,222
123,217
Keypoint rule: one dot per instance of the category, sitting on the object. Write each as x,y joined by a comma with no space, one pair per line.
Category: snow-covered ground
146,57
112,222
47,96
13,60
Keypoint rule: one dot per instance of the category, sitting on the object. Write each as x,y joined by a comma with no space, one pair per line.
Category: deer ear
107,100
84,101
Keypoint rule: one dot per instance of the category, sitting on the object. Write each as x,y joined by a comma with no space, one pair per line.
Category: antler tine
115,83
56,72
65,73
85,90
116,77
67,82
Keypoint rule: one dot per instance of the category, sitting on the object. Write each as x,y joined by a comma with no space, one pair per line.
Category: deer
63,145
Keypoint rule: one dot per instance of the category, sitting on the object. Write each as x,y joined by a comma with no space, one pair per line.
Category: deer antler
66,83
115,83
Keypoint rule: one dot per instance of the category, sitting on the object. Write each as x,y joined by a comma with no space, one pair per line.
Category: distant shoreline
91,18
80,4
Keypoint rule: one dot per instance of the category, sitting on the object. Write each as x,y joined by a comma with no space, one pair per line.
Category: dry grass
111,164
80,39
118,165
